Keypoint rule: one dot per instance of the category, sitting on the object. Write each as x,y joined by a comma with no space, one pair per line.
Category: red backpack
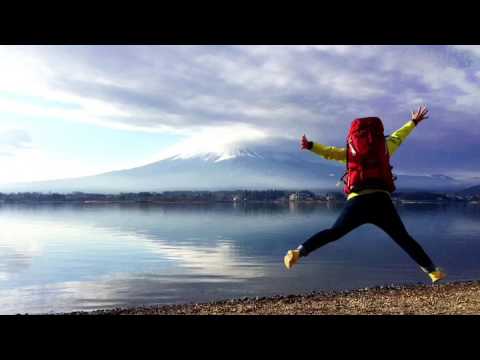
368,160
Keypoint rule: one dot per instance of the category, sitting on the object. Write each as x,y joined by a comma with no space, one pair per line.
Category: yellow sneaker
437,275
291,258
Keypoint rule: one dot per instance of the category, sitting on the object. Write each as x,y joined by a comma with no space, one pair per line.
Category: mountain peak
216,156
441,176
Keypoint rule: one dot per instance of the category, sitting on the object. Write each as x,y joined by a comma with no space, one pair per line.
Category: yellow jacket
340,154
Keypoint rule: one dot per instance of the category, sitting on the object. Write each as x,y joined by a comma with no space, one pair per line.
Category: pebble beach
456,298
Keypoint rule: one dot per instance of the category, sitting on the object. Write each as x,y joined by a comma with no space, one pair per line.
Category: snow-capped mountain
259,167
217,156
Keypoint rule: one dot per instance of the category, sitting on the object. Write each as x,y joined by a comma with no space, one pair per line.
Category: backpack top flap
365,138
373,124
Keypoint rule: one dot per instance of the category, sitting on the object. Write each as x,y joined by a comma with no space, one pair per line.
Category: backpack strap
346,162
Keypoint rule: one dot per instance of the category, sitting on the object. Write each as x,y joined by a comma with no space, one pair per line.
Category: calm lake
60,258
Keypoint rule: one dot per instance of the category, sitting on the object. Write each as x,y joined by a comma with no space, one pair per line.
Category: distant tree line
166,196
217,196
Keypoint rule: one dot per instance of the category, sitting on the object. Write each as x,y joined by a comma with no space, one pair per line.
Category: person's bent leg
356,212
351,217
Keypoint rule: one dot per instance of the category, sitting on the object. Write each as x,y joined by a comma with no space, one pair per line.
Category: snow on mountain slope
239,166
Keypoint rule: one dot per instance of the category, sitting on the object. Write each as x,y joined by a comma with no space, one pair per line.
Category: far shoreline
238,197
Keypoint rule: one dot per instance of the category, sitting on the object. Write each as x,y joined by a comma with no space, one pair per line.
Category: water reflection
74,257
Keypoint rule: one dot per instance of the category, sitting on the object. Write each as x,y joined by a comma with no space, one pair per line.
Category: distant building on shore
301,196
238,198
335,196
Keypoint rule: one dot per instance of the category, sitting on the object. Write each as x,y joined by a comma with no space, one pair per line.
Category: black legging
375,208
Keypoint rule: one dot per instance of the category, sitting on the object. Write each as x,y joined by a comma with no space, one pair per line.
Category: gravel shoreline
459,298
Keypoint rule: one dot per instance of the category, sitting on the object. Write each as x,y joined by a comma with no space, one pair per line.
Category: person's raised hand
304,143
419,115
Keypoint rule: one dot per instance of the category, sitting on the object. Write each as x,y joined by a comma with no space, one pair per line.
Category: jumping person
369,182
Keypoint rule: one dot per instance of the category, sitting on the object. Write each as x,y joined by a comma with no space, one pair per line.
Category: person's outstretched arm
398,137
327,152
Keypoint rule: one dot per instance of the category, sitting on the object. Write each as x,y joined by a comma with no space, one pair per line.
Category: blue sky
70,111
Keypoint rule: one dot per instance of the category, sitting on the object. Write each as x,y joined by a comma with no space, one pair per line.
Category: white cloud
238,88
13,140
177,88
472,49
217,140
